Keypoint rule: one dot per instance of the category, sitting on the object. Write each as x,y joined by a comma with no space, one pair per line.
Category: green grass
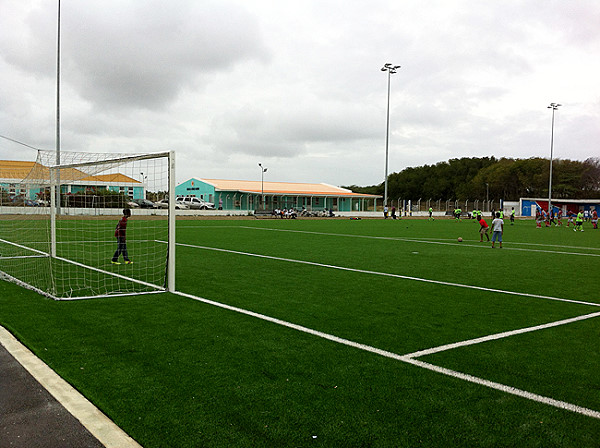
172,371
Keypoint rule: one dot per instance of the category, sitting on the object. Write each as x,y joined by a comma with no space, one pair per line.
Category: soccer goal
58,224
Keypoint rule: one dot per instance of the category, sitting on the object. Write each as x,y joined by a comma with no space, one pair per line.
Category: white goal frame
53,177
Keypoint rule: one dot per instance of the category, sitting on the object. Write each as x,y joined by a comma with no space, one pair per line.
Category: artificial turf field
320,331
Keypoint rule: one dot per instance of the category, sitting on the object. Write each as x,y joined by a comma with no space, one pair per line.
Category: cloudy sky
297,85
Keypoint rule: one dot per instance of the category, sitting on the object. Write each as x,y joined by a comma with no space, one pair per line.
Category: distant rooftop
289,188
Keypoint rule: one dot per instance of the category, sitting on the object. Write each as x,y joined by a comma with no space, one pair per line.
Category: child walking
120,234
497,230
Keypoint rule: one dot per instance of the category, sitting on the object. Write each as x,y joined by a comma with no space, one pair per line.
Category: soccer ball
460,239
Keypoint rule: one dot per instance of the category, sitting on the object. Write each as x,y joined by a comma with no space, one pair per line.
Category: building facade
30,180
240,195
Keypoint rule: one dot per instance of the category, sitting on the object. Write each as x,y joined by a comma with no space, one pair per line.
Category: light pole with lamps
263,170
144,178
390,69
554,107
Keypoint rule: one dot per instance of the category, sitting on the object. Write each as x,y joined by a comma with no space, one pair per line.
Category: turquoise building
243,195
16,180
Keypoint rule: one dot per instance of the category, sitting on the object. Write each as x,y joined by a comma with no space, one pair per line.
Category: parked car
164,203
132,204
196,203
144,203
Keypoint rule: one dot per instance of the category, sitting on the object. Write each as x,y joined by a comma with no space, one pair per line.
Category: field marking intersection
412,358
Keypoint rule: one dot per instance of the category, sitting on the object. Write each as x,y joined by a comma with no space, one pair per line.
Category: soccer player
497,230
559,217
120,234
512,217
595,219
483,230
569,217
431,214
579,222
552,221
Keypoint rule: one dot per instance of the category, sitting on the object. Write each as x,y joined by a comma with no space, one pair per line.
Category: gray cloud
138,54
297,85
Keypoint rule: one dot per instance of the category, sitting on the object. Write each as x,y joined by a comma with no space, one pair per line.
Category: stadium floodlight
554,107
68,256
263,170
390,69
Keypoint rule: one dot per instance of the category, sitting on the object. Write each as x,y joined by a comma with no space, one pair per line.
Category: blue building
529,206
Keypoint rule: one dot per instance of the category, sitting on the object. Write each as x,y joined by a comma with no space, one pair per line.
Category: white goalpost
61,240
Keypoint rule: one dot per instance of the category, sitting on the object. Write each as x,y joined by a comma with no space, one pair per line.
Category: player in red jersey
484,229
120,234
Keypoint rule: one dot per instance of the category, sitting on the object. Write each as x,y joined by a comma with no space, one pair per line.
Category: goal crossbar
126,159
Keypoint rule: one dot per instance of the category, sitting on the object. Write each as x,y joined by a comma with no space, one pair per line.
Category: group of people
285,213
542,216
497,228
577,219
580,217
386,210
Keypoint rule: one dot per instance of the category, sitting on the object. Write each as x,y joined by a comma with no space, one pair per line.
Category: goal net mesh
63,246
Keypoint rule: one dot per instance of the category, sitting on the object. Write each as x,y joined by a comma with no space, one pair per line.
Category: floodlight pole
554,107
263,170
57,114
390,69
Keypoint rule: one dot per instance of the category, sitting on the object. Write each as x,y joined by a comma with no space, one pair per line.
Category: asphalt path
31,417
39,409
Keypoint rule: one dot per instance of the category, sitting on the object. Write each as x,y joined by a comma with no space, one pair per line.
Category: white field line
506,389
20,246
91,242
24,256
386,274
156,287
411,359
424,241
494,337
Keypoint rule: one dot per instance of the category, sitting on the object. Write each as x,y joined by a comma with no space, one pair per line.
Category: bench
264,214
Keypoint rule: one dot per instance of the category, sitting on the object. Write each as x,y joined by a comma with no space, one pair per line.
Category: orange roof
32,171
116,177
255,186
14,169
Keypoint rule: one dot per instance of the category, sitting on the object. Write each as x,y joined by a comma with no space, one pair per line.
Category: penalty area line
410,359
387,274
420,240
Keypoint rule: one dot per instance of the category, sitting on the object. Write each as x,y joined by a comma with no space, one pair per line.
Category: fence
441,205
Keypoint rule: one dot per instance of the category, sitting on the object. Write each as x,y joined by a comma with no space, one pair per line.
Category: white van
196,203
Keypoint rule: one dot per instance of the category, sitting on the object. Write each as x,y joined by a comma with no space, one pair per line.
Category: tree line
491,178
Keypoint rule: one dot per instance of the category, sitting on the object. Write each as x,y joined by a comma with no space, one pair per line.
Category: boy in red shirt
483,230
120,234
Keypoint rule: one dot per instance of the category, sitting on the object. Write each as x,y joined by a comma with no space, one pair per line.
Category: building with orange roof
239,195
28,179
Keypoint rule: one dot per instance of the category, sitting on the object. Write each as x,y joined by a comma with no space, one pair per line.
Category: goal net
58,224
